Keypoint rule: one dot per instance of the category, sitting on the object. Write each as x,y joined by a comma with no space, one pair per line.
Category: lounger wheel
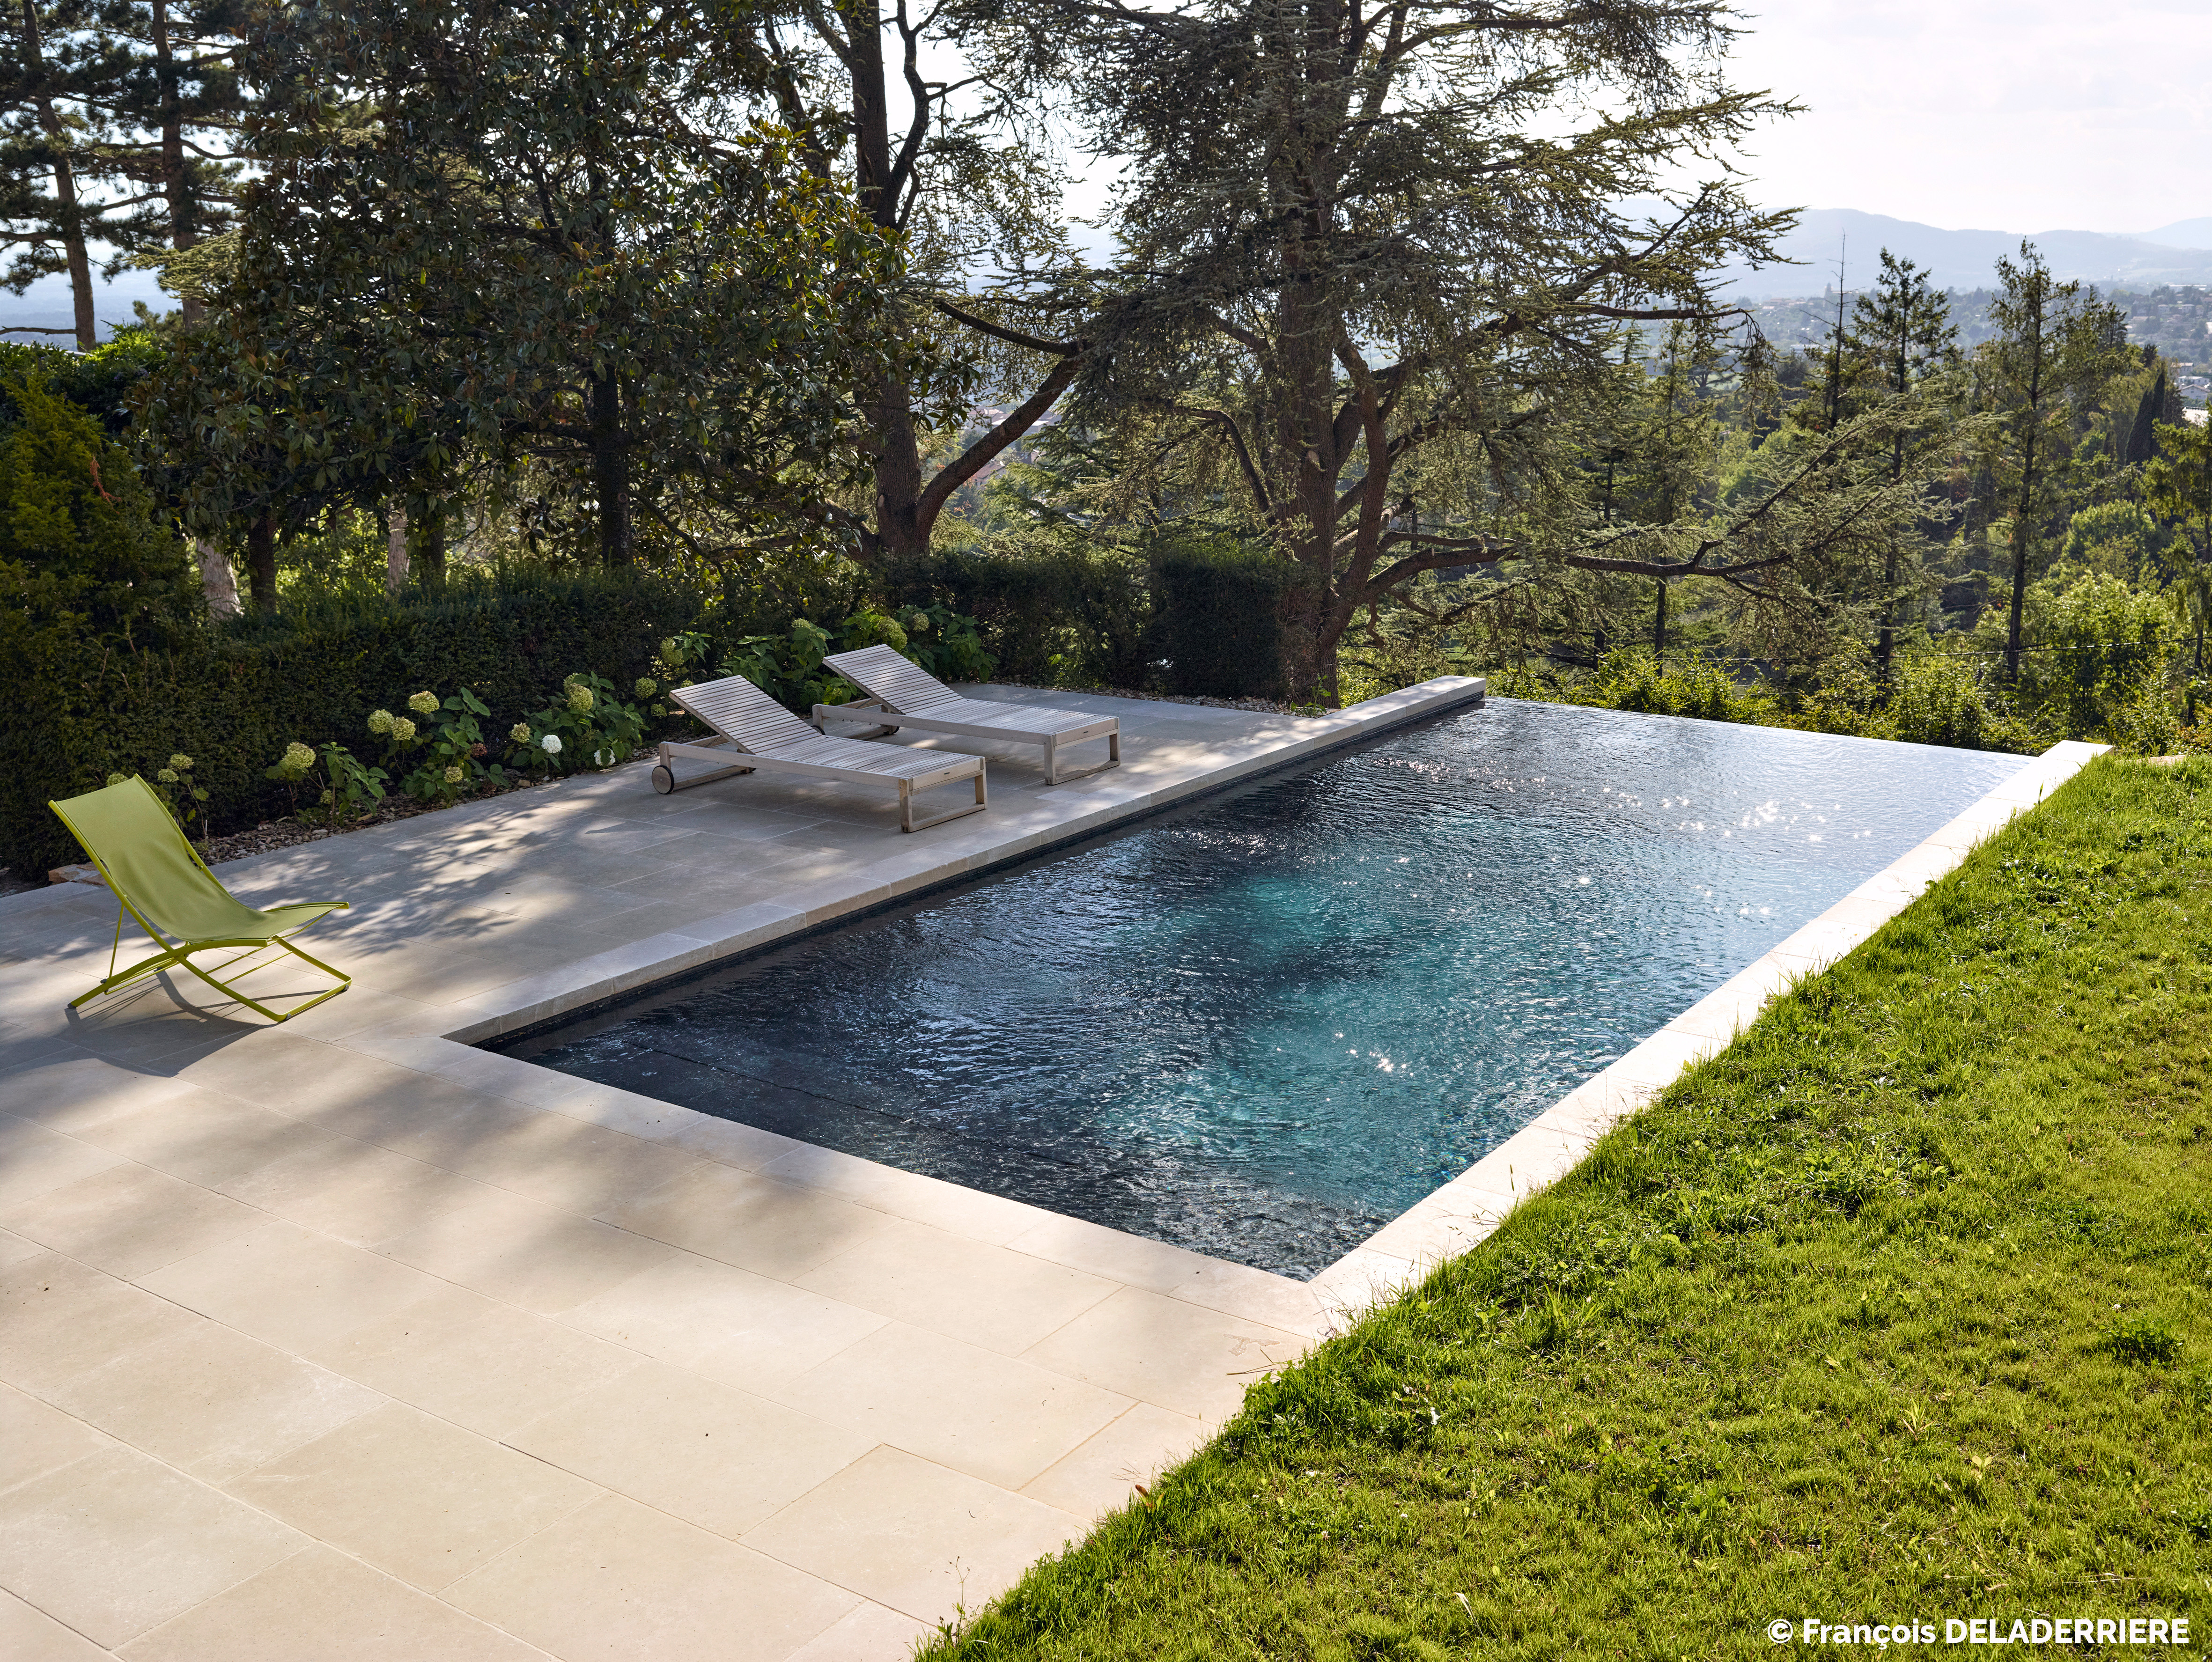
662,780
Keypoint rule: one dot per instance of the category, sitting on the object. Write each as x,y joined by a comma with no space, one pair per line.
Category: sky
2010,115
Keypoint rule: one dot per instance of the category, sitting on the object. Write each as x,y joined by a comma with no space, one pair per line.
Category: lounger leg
1113,749
982,801
906,804
143,967
1051,760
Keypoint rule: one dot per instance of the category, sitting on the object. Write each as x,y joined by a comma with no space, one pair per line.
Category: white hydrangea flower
647,686
403,730
552,743
453,776
423,704
520,733
181,762
118,778
298,757
167,775
379,721
580,698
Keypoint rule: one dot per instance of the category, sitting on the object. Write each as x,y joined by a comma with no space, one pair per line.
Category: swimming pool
1262,1024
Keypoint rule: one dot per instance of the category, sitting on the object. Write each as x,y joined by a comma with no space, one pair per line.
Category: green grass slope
1896,1312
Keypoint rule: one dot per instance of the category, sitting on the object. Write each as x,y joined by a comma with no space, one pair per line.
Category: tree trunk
261,562
67,220
176,183
906,508
217,580
429,549
1884,641
901,532
1659,626
2024,515
610,471
1307,459
395,548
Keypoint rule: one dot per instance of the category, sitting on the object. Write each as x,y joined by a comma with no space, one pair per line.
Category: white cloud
2033,115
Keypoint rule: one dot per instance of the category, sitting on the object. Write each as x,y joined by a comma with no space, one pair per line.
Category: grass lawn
1894,1312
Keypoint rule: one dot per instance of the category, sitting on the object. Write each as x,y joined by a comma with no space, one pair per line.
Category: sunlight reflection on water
1263,1025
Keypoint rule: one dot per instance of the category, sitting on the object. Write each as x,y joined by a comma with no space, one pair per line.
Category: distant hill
46,303
2183,233
1967,259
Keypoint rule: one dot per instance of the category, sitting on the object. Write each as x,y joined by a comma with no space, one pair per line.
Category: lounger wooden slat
902,693
750,724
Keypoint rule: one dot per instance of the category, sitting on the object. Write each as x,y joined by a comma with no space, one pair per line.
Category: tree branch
978,455
1011,337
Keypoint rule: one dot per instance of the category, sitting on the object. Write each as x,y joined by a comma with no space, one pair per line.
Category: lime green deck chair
159,879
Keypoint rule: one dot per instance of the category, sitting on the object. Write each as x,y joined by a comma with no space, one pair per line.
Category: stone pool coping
966,851
347,1328
1468,1208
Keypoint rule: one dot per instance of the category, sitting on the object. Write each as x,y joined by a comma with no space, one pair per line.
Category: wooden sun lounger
747,722
901,693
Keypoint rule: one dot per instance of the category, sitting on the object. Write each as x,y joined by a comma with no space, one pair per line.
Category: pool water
1263,1024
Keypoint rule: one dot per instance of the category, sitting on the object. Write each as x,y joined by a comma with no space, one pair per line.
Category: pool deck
346,1339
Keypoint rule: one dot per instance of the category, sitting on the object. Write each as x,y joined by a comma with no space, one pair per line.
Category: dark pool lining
523,1042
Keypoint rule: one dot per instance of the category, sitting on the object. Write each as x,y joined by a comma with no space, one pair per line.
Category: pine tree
2056,344
1905,328
161,81
50,157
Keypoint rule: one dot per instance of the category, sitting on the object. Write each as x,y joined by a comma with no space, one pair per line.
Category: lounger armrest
823,712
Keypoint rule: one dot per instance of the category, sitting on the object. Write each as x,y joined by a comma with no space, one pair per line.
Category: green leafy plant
341,789
947,644
586,727
398,733
174,779
2141,1340
789,667
678,656
454,761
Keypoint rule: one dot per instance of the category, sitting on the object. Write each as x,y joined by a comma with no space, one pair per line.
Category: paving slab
346,1339
619,1581
115,1543
320,1604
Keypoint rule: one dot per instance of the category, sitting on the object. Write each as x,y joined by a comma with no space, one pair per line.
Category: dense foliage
537,251
1375,382
233,697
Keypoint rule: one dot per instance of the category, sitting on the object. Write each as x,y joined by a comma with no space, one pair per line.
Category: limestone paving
347,1340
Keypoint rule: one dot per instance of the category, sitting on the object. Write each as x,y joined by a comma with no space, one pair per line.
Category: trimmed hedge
1053,619
232,697
1194,618
1220,620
